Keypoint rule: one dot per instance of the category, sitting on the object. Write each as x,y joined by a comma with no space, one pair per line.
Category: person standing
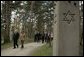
35,37
39,36
43,37
49,39
46,37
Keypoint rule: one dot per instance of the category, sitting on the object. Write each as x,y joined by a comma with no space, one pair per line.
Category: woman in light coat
22,38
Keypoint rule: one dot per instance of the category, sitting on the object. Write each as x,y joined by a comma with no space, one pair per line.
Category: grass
6,45
45,50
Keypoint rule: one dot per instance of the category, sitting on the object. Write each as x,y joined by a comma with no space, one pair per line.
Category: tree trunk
7,16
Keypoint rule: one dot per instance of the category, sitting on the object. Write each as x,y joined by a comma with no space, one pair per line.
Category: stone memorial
66,28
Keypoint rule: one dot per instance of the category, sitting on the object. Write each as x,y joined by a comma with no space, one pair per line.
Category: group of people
16,36
44,37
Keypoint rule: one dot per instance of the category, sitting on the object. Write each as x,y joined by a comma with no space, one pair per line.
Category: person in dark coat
39,36
15,39
35,38
43,37
46,37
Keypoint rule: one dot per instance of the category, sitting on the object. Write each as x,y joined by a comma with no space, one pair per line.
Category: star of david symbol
68,17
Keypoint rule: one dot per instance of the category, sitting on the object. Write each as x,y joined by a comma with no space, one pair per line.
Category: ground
26,51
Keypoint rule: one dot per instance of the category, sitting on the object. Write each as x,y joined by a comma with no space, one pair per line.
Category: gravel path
26,51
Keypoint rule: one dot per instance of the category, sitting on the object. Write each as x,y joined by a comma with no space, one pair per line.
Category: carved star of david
68,17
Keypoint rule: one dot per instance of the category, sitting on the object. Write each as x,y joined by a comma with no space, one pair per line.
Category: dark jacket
15,36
